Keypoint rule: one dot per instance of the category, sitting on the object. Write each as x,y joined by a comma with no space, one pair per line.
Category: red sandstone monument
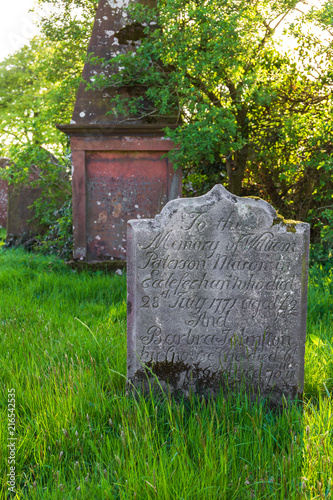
120,172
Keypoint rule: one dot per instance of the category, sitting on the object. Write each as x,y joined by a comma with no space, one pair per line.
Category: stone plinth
217,295
117,178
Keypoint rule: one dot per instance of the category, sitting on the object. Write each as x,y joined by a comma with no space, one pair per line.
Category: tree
34,95
25,98
38,86
38,83
68,22
251,111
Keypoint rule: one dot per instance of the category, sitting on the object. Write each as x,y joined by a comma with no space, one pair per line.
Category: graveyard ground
80,435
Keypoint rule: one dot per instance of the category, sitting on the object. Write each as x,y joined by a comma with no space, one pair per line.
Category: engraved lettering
195,216
218,288
261,243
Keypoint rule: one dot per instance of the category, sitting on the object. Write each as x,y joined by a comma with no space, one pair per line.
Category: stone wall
3,194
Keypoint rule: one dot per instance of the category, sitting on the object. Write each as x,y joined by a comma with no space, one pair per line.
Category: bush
35,167
59,238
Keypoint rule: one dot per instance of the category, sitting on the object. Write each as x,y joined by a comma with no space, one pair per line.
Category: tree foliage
253,112
38,86
68,22
29,99
38,83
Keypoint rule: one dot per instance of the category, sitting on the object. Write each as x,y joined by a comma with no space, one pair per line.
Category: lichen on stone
289,223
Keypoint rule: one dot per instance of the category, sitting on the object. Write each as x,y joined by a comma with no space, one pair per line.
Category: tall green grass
2,236
319,347
81,435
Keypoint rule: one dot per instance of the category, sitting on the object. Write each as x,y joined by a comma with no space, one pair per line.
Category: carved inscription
219,290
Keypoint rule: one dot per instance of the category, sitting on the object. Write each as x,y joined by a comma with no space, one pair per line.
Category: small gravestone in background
22,227
217,294
20,215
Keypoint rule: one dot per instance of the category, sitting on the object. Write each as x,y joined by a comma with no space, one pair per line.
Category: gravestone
20,221
217,294
21,225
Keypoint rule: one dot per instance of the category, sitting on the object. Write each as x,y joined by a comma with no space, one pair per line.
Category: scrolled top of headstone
216,195
217,290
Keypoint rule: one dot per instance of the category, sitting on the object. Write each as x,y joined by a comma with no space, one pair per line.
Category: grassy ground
80,436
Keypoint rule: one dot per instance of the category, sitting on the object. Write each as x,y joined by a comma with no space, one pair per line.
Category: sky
16,25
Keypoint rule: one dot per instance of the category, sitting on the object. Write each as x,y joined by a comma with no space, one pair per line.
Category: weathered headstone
22,226
20,221
217,294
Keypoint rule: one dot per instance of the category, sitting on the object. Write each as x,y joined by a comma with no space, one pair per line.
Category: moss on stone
170,372
108,266
279,219
289,223
257,198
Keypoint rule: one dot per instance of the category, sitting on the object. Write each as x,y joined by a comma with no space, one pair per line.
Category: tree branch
201,86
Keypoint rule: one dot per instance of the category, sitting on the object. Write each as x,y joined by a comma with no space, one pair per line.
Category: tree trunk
236,163
235,170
